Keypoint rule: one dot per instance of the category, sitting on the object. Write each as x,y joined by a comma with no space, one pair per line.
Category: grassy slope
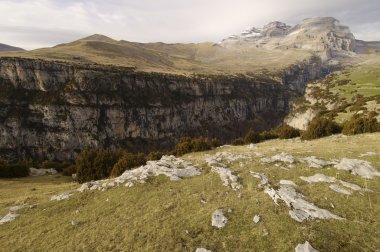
168,216
205,58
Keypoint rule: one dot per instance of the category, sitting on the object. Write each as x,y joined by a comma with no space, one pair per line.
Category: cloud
41,23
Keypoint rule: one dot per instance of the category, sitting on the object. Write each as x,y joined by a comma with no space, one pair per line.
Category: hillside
273,47
164,215
5,48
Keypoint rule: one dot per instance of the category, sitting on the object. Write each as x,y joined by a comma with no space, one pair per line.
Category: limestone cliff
52,109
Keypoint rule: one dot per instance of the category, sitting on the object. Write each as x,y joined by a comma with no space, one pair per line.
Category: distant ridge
4,47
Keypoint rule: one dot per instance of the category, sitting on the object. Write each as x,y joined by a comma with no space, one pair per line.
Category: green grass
162,215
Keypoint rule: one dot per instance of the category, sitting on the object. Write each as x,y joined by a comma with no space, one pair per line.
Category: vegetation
162,215
320,127
188,144
127,162
19,169
286,132
95,164
359,124
252,137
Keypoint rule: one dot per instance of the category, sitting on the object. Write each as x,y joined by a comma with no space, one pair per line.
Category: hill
165,215
4,47
273,47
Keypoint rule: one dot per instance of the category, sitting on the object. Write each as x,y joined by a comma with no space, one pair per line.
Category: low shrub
19,169
188,144
359,124
95,164
268,135
69,170
238,141
155,155
252,137
127,162
286,132
320,127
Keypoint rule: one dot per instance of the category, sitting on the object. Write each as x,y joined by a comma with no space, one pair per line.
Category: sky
34,24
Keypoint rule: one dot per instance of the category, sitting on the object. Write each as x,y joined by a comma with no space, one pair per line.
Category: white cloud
37,23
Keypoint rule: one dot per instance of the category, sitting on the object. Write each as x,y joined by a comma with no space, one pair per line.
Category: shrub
188,144
238,141
59,166
69,170
360,124
268,135
155,155
252,137
19,169
320,127
95,164
286,132
127,162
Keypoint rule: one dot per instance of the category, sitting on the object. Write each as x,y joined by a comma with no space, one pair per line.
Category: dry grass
169,216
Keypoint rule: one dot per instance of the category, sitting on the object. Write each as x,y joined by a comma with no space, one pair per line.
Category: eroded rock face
51,110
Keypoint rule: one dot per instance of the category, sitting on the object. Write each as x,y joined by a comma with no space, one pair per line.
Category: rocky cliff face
54,109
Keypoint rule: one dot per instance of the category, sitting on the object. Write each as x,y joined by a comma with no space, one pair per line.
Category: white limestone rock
218,219
352,186
314,162
62,196
41,172
339,189
287,183
368,154
8,218
256,219
318,178
282,157
202,250
306,247
358,167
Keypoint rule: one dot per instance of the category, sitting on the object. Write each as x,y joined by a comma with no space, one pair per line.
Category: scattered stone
357,167
203,201
229,210
218,219
332,205
8,218
314,162
33,206
282,157
252,146
264,232
217,164
300,209
350,185
41,172
287,182
256,219
318,178
62,196
339,189
263,179
74,222
306,247
77,212
368,154
16,208
202,250
228,178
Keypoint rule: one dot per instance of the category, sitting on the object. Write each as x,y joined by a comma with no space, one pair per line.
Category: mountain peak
98,37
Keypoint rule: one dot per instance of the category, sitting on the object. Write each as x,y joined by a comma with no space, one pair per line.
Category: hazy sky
41,23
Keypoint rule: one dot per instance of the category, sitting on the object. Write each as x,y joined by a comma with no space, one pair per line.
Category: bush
95,164
320,127
19,169
127,162
188,144
286,132
69,170
360,124
238,141
252,137
59,166
155,155
268,135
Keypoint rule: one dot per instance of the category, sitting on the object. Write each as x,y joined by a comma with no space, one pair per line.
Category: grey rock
218,219
306,247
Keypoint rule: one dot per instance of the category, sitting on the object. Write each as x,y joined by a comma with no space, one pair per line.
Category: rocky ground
280,195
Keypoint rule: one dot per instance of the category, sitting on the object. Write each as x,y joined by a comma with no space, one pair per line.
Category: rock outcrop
52,110
324,35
